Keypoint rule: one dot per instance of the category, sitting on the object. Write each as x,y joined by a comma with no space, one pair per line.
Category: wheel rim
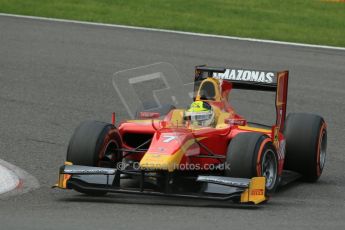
269,168
111,151
323,150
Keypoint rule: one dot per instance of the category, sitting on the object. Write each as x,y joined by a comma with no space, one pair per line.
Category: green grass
306,21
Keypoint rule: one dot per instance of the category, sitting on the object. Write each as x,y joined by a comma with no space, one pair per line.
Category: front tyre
94,142
251,155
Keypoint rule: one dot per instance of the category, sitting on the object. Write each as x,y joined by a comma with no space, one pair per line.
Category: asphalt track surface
54,75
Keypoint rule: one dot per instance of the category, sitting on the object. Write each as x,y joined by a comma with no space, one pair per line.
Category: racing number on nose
169,138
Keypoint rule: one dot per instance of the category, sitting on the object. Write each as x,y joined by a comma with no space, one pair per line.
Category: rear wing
274,81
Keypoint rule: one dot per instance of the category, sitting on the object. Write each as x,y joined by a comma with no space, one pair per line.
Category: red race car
206,151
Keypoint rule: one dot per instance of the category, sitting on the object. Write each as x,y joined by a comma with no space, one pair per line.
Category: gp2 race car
166,153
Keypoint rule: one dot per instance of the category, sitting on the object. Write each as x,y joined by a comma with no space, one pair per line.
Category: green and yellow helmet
200,113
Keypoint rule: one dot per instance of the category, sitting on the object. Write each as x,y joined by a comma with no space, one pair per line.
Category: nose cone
168,150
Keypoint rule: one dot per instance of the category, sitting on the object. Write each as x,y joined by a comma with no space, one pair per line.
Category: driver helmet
200,113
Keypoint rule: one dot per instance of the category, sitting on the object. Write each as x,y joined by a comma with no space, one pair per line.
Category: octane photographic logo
190,167
151,88
154,87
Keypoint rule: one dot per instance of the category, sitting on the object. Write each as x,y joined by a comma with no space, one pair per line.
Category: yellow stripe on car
248,128
166,162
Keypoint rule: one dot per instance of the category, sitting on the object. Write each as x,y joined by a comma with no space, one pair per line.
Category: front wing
108,180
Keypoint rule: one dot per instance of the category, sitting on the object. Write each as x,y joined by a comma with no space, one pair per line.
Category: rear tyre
92,143
306,144
253,154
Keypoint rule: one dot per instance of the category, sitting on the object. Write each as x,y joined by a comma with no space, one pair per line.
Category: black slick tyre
306,144
94,142
253,154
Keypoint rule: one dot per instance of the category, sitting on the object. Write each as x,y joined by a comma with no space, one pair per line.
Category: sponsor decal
90,171
149,115
257,192
246,75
